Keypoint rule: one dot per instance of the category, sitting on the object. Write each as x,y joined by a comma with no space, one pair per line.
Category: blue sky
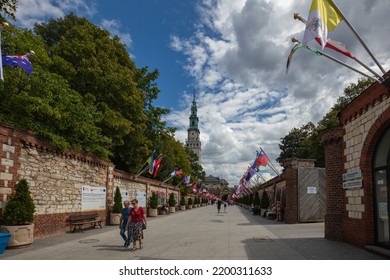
233,54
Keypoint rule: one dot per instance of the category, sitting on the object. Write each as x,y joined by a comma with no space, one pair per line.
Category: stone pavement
198,234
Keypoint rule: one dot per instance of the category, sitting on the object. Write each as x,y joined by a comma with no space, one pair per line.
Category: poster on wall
93,198
124,194
141,197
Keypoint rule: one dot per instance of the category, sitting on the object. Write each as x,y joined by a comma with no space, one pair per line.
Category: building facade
218,187
358,171
193,140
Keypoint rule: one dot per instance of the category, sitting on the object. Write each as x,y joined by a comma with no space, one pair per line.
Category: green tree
350,93
8,7
117,207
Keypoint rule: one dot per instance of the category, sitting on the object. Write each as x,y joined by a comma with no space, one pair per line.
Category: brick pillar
291,208
335,205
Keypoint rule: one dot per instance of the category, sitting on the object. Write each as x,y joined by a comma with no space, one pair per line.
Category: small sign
311,190
352,184
352,175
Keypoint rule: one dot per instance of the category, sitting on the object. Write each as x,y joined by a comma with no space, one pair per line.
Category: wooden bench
77,221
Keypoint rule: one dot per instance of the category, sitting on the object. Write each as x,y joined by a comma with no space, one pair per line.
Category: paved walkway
199,234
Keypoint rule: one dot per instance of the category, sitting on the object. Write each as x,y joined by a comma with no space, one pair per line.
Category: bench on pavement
77,221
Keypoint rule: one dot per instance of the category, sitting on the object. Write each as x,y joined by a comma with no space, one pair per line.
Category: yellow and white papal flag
323,19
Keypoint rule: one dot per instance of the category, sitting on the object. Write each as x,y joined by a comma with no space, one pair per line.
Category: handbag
143,226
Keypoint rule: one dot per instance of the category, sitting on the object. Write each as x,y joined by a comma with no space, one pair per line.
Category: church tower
193,140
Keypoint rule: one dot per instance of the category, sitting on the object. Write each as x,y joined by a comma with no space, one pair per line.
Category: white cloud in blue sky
234,56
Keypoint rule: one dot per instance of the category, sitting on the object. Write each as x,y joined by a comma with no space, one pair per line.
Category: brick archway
366,161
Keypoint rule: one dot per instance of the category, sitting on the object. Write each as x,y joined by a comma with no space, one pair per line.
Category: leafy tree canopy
305,142
86,93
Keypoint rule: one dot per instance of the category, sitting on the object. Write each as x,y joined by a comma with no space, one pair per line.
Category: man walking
219,202
123,222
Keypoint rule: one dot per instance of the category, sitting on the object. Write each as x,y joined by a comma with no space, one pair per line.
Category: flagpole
339,61
169,177
297,16
142,170
357,35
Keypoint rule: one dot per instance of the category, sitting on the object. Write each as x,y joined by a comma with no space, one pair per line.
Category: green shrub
20,209
257,199
264,203
117,207
172,201
153,202
190,201
182,201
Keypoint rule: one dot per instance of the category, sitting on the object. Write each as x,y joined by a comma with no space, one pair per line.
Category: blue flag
19,61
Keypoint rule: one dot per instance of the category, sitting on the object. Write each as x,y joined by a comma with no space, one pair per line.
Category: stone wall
56,179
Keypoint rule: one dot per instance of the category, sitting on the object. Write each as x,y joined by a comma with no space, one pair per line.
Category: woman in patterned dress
137,220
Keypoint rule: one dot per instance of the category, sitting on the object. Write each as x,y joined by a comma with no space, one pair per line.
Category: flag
157,164
322,20
176,172
186,179
19,61
295,47
336,46
262,159
151,163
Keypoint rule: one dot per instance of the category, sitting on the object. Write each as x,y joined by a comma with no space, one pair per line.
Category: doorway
382,190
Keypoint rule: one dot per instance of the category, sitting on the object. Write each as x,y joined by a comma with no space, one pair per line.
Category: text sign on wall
312,190
141,197
352,175
125,195
352,180
93,198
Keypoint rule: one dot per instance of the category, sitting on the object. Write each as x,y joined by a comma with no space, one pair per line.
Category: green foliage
8,7
264,202
256,201
172,201
182,201
20,209
86,94
305,142
117,207
190,201
153,202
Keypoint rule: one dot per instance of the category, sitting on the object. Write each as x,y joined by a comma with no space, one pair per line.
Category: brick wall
335,197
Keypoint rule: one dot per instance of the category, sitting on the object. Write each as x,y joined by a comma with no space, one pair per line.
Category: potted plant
182,203
189,203
18,216
153,204
172,203
115,215
264,203
256,204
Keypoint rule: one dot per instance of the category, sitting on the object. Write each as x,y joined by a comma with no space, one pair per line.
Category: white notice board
93,198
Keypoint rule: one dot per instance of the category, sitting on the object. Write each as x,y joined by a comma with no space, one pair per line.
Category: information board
93,198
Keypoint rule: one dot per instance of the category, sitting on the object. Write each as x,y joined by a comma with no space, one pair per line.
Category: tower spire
193,140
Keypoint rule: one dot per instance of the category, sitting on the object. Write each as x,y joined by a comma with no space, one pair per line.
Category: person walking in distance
219,202
123,225
137,223
224,207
